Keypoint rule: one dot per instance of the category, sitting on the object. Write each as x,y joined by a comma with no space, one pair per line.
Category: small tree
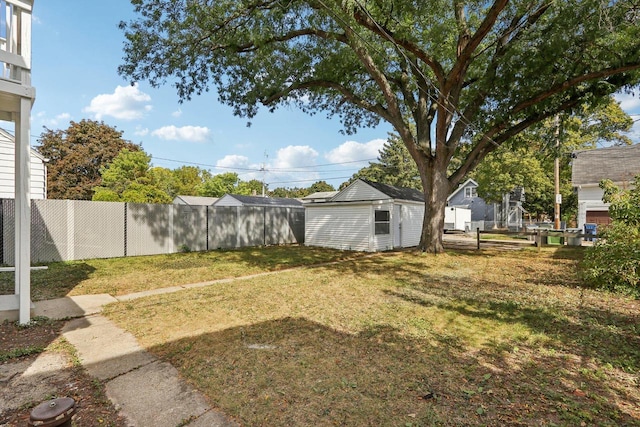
614,261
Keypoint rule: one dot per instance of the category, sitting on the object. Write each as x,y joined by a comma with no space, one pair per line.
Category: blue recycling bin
590,230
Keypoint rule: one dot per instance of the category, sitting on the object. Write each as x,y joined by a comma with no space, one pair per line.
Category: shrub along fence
65,230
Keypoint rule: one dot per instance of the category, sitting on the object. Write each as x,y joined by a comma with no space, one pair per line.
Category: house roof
320,195
399,193
195,200
461,186
619,164
265,201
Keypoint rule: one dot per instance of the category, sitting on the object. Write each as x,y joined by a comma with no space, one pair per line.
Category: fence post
125,228
478,236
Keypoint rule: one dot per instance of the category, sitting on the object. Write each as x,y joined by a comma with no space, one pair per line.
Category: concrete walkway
146,391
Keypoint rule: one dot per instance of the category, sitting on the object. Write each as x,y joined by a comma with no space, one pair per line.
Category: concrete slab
149,293
27,382
69,307
105,350
154,395
212,419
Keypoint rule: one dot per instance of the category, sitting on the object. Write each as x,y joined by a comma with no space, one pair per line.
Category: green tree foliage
614,261
219,185
319,187
394,167
442,73
129,178
527,160
76,156
249,188
187,180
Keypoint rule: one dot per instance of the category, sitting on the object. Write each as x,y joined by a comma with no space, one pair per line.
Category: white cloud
294,156
52,122
352,151
184,133
233,161
140,131
628,102
125,103
177,113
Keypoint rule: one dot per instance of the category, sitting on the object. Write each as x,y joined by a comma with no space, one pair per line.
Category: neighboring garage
365,216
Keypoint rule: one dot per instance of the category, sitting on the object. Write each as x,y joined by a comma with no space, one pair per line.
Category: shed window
382,222
470,192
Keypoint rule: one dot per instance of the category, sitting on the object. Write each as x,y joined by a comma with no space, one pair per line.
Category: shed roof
400,193
320,196
619,164
195,200
265,201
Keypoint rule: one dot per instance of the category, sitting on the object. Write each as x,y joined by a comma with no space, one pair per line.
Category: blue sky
77,48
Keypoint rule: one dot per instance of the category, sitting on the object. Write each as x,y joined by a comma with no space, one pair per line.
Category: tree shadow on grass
55,282
293,371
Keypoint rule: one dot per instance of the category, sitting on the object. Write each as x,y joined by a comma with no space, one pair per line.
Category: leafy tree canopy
219,185
442,73
527,160
76,156
130,178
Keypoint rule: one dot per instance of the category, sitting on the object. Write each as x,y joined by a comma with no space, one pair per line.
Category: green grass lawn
397,339
120,276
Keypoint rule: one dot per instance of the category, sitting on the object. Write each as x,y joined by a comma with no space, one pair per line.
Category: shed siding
412,217
7,173
359,191
339,227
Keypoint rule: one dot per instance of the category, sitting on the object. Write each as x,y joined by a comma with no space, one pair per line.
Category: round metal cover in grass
53,412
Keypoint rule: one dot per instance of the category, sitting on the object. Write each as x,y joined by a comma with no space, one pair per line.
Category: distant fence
539,237
66,230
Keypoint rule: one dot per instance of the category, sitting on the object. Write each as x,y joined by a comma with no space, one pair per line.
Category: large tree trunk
436,190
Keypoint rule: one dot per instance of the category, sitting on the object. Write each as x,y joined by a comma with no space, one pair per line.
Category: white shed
7,169
366,216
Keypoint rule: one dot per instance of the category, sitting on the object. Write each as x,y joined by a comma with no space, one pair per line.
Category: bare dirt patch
37,364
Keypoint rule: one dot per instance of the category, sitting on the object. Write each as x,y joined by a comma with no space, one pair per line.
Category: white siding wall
340,227
412,217
589,199
7,173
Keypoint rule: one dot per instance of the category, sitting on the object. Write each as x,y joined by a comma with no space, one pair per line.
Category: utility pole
556,178
264,171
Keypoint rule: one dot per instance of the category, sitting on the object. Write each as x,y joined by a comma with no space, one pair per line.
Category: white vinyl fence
65,230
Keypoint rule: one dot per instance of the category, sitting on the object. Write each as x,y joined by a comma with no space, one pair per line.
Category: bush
614,261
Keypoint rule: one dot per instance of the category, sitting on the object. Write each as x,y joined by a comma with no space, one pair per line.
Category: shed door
397,226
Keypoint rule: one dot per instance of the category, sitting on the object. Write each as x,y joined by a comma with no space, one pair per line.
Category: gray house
38,188
486,216
483,215
589,167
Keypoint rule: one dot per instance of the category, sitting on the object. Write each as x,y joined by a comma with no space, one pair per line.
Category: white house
7,169
366,216
589,167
